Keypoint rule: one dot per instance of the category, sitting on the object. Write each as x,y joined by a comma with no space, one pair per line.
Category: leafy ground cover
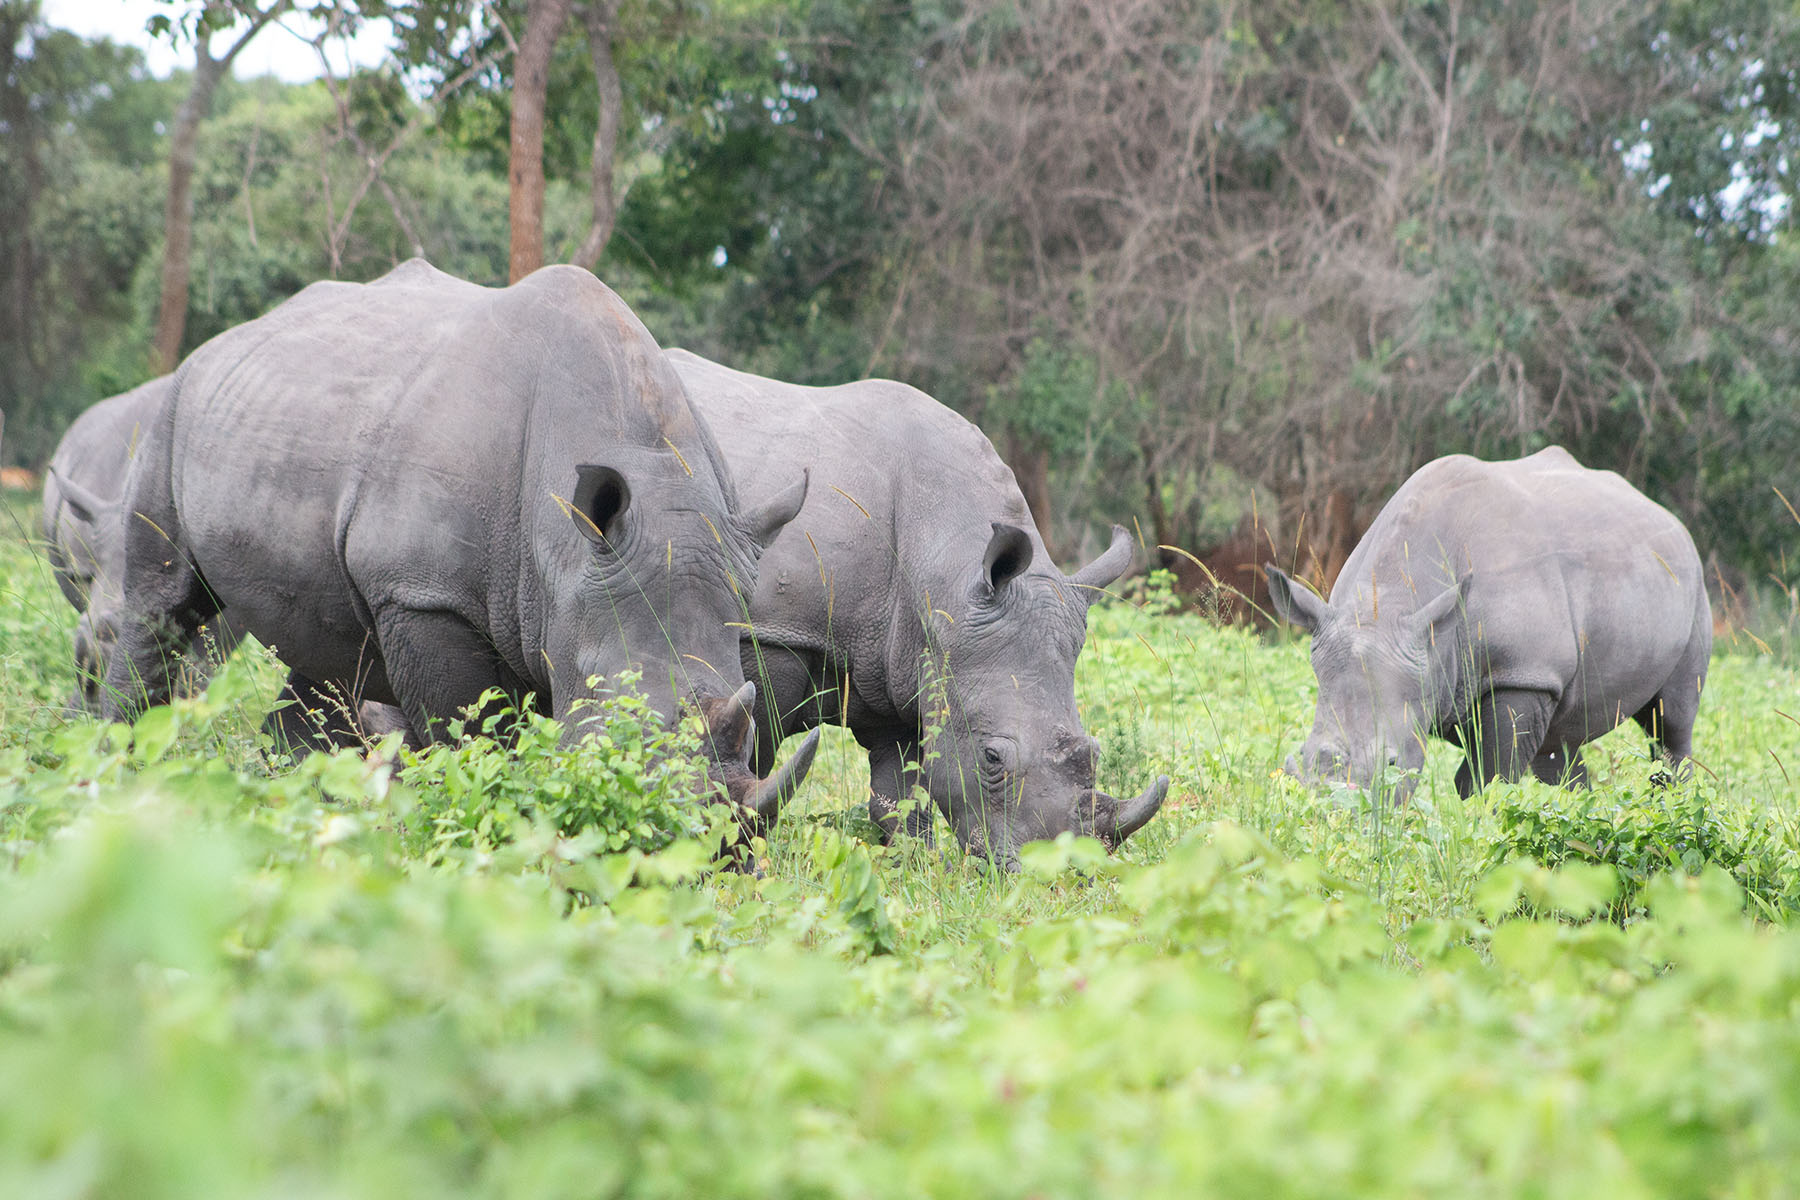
494,973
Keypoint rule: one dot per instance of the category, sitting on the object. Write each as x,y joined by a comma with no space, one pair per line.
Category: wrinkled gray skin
914,592
83,533
419,488
1517,609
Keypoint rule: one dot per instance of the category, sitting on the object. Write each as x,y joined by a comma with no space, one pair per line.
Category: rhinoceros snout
730,731
1077,758
1315,766
1325,764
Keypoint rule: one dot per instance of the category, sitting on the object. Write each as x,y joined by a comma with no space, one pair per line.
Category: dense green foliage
629,786
80,143
470,975
1323,243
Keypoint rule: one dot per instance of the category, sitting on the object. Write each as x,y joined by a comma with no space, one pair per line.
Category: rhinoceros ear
1295,603
1444,604
82,504
601,497
765,520
1008,554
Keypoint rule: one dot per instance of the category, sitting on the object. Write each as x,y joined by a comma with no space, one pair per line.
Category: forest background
1180,261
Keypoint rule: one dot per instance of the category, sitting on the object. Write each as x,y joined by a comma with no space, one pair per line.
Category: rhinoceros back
393,444
1580,584
898,478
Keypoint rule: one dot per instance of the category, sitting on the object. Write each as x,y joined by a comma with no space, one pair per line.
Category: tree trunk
544,20
598,18
1161,527
178,215
19,273
1031,467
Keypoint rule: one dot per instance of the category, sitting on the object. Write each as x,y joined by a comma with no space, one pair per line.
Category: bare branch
338,229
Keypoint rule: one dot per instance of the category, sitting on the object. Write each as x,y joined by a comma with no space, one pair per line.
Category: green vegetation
490,972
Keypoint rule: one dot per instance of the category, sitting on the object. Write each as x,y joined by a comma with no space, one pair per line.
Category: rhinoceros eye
997,757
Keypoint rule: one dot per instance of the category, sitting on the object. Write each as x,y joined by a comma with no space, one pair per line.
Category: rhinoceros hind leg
1669,716
1508,729
1670,726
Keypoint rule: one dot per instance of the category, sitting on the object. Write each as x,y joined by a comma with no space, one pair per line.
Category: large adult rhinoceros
913,602
1517,609
83,533
419,488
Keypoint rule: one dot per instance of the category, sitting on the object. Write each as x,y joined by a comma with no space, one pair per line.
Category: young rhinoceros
417,489
913,602
1517,609
84,535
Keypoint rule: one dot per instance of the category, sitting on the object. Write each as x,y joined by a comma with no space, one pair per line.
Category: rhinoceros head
1008,761
93,645
86,543
655,577
664,567
1381,681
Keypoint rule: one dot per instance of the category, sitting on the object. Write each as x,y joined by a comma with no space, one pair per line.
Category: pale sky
280,49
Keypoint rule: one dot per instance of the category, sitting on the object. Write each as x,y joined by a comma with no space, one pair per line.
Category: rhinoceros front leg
1508,729
437,665
1561,765
165,605
311,716
893,774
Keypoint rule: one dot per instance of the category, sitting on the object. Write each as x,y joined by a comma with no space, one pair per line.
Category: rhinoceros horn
1113,820
774,791
730,726
736,721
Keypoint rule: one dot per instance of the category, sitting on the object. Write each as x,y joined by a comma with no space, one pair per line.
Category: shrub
629,782
1640,834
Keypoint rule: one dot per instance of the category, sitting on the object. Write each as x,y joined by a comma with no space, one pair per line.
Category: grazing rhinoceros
83,534
417,489
1517,609
913,602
